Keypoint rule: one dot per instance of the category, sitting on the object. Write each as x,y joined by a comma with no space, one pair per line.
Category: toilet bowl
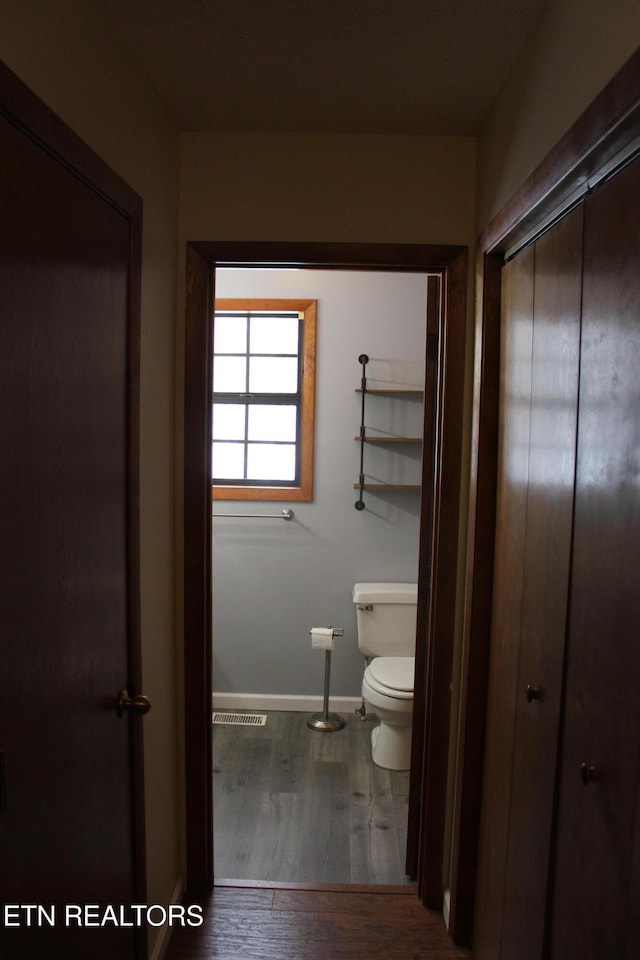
387,686
386,620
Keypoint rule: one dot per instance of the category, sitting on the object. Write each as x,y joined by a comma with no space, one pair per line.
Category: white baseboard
446,905
264,701
162,943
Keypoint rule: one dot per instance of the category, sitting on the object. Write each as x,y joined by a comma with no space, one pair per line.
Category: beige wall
324,187
576,47
67,53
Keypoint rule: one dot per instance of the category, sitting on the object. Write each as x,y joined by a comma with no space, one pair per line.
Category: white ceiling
365,66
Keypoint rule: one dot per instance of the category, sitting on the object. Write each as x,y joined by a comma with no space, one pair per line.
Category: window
263,399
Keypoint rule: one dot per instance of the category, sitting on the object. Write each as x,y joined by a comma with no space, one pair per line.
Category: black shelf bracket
364,360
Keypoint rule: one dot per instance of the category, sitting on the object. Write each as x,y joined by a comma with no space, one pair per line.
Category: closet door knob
137,705
533,693
588,774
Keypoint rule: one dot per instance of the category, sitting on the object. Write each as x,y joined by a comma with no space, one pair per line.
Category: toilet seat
391,676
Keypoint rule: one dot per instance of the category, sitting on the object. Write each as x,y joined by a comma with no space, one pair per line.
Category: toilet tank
386,618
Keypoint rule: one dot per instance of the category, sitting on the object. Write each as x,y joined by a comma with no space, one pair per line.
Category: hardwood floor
301,813
297,805
284,924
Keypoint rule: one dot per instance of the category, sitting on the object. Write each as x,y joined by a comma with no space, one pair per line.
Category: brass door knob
138,705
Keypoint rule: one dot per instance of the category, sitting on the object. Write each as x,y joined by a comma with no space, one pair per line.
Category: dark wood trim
34,118
480,552
606,127
601,134
25,111
133,565
197,575
416,258
451,263
435,339
443,588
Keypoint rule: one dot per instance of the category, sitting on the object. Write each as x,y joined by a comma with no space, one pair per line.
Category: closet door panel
513,472
596,817
552,446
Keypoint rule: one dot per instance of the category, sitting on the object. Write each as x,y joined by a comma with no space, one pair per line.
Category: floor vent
244,719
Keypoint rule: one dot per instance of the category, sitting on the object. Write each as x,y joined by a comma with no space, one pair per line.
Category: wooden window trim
304,491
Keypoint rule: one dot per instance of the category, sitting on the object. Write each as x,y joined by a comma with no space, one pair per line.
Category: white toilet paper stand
325,721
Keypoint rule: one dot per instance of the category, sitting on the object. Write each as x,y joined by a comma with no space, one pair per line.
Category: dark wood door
598,801
68,557
516,346
540,348
547,555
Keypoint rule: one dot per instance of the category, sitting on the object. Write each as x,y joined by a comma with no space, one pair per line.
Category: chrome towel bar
286,514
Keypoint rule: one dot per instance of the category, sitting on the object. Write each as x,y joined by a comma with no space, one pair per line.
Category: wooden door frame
601,140
431,736
25,111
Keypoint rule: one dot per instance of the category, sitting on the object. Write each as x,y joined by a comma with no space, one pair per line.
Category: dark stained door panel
68,557
559,852
598,784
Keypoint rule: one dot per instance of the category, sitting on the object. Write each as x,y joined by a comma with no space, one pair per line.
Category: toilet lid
395,673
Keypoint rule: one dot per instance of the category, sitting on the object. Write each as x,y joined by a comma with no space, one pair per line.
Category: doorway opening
291,804
438,545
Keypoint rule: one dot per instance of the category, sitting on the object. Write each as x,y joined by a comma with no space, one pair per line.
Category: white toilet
386,618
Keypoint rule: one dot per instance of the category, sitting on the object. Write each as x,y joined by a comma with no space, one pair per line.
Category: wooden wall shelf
381,440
